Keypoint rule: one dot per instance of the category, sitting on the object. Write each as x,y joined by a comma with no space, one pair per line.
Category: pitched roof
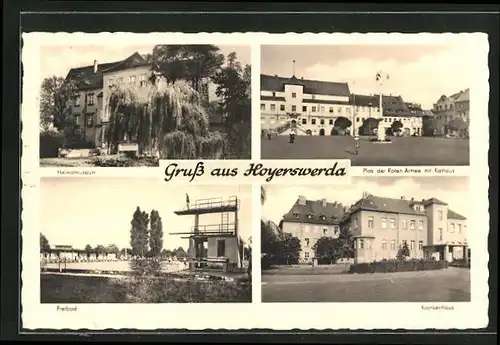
395,106
463,96
86,79
365,101
454,215
389,205
315,87
329,214
434,201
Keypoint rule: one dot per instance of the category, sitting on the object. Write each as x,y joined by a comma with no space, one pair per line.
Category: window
262,106
348,110
440,215
142,80
370,222
296,215
119,80
412,245
420,225
77,101
339,110
89,120
313,109
361,244
313,96
336,229
77,119
111,82
322,109
393,245
294,108
383,223
412,225
420,245
309,216
452,228
131,80
304,108
274,94
322,121
282,107
392,221
323,218
384,245
90,99
357,119
330,122
313,121
355,223
304,121
307,242
306,255
273,107
440,234
221,248
325,231
404,243
459,228
330,110
294,95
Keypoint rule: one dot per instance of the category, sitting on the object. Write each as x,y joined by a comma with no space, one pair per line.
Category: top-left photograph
103,106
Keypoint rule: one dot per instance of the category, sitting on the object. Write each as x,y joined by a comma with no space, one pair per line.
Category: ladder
224,221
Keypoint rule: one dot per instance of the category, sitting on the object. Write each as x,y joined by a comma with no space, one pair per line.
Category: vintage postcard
235,175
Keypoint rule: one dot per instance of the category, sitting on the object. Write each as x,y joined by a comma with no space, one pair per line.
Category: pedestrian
356,143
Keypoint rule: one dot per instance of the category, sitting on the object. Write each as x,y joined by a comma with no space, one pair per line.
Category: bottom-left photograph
137,240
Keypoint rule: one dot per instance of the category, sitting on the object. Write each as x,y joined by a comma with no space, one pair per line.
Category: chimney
95,66
423,201
412,199
302,78
276,76
323,202
402,198
302,200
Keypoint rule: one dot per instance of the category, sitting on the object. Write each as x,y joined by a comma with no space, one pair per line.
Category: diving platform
212,205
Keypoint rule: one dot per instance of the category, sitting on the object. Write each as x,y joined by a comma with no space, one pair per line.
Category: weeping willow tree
169,120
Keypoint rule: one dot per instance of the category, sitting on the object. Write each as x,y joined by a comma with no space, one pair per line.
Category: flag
187,198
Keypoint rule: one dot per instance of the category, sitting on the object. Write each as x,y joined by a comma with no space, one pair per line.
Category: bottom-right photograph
378,239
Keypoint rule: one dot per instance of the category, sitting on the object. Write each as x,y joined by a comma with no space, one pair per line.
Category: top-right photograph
377,105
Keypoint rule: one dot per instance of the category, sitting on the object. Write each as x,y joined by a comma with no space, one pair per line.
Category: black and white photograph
134,240
374,104
381,239
108,106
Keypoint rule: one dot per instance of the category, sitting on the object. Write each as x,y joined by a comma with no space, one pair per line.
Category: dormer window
323,217
309,216
296,215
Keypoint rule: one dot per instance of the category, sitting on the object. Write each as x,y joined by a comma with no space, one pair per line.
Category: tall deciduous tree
139,232
188,62
44,242
327,249
88,248
55,98
155,234
234,88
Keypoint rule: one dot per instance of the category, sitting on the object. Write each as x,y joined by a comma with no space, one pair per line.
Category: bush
50,143
387,266
124,162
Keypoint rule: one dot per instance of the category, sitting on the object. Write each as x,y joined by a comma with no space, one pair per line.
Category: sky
80,211
58,60
452,190
419,73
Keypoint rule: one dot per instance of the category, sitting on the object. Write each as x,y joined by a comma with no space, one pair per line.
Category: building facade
309,220
447,109
95,82
316,107
63,253
381,226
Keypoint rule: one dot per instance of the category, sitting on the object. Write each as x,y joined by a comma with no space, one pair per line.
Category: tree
396,126
139,232
457,125
100,249
88,248
289,249
180,252
368,126
346,243
343,123
113,248
44,242
170,121
403,252
55,97
155,234
429,126
327,249
262,195
188,62
234,89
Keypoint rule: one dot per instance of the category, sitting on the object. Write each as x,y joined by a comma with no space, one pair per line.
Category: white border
279,316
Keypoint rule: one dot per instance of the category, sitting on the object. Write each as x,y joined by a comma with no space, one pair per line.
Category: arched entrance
309,132
322,131
341,125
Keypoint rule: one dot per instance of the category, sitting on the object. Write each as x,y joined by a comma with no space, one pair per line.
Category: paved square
449,285
402,150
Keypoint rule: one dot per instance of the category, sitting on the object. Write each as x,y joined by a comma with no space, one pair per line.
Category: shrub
124,161
50,143
386,266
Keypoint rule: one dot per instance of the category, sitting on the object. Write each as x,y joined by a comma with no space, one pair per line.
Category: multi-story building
446,109
381,226
90,106
315,107
309,220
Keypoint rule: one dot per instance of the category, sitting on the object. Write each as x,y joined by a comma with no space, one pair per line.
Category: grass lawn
402,150
449,285
93,289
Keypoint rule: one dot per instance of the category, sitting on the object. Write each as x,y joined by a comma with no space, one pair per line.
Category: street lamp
369,121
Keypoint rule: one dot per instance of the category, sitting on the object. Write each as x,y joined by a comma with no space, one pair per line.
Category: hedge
50,142
387,266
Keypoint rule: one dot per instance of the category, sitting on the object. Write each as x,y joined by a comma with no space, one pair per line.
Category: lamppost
369,121
380,77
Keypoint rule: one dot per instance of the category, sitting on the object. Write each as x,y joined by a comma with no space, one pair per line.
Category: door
322,131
